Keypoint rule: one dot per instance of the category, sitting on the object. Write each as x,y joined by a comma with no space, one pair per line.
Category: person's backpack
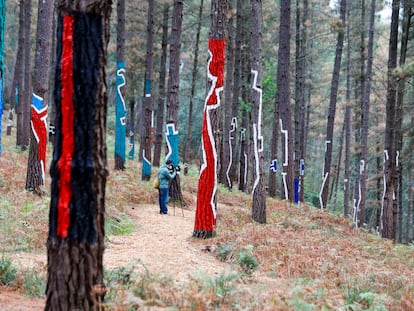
156,182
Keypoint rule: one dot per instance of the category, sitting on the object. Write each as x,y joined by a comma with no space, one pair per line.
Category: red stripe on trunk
207,183
68,116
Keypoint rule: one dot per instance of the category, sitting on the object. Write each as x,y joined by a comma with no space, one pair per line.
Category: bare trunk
161,89
27,76
323,200
18,77
148,117
283,96
187,151
389,207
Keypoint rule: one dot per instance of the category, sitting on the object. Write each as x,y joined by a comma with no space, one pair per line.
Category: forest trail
162,244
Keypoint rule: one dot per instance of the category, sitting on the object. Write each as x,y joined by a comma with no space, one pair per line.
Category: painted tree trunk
389,205
301,88
172,95
120,108
258,190
245,130
232,173
230,122
283,94
79,167
205,219
36,166
323,196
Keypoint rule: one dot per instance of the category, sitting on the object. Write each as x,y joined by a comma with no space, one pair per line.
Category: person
165,174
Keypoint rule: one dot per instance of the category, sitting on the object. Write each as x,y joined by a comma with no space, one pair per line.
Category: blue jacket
165,176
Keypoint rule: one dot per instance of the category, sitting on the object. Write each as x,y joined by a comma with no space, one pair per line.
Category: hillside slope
307,259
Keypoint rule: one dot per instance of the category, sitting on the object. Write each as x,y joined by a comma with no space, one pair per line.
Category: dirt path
162,243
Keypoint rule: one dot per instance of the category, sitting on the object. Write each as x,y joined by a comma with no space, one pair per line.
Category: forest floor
161,243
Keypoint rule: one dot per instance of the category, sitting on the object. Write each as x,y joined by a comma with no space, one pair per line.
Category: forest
307,102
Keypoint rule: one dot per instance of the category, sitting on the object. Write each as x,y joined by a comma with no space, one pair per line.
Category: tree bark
283,97
361,219
76,221
26,100
36,166
389,206
2,30
401,89
347,119
233,173
187,151
323,199
229,128
174,70
300,95
147,137
161,88
18,77
205,219
120,123
258,192
244,174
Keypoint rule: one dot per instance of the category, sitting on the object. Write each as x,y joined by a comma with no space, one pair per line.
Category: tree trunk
174,79
52,110
323,198
401,89
26,100
2,23
229,122
36,166
236,89
174,70
337,173
131,151
409,204
147,138
187,150
347,119
303,98
258,192
245,130
283,96
205,219
360,221
79,170
18,77
120,108
161,88
389,206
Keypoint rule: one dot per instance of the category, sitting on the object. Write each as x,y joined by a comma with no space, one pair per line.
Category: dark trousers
163,200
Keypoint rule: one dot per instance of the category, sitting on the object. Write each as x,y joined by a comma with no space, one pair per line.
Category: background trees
313,51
